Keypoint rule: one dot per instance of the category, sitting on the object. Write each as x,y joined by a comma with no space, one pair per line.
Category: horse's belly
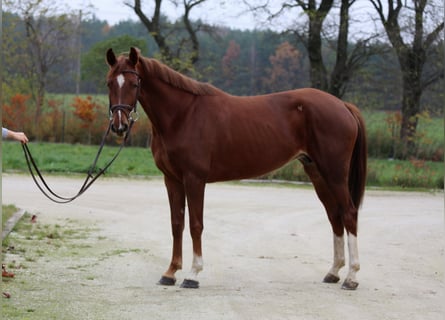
245,164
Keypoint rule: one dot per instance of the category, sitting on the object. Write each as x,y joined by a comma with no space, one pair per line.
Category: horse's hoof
349,284
330,278
190,284
166,281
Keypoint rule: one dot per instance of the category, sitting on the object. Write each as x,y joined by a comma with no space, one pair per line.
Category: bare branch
432,78
430,38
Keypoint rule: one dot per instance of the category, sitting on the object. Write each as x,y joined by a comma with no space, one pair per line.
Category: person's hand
19,136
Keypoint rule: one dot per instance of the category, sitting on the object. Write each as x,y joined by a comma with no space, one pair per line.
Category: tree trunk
318,73
412,65
340,75
40,99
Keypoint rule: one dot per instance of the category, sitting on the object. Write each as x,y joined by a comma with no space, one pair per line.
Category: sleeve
4,132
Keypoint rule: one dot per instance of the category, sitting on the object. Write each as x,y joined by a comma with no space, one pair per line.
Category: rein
90,178
49,193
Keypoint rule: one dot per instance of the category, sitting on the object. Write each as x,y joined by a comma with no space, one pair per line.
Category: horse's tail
358,166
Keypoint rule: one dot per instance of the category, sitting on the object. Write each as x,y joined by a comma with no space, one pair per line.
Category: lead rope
47,191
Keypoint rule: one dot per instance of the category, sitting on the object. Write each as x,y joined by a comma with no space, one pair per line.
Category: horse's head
123,83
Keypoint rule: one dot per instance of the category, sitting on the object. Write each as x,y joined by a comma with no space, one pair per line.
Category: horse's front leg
176,197
195,201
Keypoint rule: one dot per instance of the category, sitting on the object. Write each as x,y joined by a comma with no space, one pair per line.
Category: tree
285,64
347,60
188,6
187,52
86,110
316,16
16,64
411,56
49,41
228,66
15,113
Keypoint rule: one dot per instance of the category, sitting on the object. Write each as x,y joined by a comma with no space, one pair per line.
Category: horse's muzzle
119,119
120,129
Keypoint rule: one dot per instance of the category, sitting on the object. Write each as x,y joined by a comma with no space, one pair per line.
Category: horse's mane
159,70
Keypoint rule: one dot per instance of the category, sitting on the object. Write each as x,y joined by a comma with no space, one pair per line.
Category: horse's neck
164,104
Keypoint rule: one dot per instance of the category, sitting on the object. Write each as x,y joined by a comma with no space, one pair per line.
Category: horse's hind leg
346,213
350,216
336,200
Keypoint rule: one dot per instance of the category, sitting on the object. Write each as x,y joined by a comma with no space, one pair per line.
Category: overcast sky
233,14
228,13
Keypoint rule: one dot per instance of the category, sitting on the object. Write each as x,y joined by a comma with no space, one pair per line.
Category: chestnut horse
202,134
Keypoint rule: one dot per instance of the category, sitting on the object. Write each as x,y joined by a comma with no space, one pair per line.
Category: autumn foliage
228,61
85,109
15,113
285,65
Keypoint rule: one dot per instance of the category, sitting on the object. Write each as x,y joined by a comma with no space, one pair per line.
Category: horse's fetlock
341,263
355,267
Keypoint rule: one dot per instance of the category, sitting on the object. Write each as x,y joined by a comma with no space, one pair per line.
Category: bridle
131,109
43,186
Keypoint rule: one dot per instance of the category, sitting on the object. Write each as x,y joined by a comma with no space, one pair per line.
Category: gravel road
266,250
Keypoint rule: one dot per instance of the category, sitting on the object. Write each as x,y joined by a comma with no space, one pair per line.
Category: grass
75,158
383,135
384,173
406,174
69,159
7,212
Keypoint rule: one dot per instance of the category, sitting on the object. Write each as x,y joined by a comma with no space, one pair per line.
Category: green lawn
76,159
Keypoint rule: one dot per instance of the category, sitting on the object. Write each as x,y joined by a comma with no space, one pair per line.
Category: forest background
53,79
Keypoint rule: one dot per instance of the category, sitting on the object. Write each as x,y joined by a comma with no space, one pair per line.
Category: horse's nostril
119,130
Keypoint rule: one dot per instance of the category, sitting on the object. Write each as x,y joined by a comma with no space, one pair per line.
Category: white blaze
120,80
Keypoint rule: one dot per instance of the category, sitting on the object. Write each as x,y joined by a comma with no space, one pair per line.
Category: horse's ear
111,58
134,55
